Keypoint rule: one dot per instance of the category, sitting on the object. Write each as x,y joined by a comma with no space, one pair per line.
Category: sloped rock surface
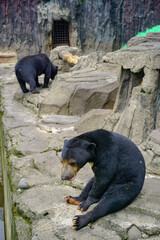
34,144
78,92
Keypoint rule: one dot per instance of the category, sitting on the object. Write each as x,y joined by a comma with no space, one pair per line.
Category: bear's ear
65,141
90,146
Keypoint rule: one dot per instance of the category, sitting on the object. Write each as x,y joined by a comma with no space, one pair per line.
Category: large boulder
65,57
135,112
77,92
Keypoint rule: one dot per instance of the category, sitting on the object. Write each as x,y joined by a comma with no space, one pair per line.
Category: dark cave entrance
60,33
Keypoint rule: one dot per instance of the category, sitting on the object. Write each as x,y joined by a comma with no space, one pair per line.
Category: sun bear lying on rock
29,68
119,172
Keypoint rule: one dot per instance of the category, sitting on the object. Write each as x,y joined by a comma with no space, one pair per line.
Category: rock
34,208
57,102
35,238
22,228
92,120
146,201
8,57
75,93
23,184
151,152
134,233
59,119
92,25
27,140
89,61
33,145
65,57
135,101
32,101
142,213
78,92
68,57
155,136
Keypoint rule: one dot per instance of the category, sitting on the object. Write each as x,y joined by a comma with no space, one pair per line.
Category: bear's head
54,70
75,154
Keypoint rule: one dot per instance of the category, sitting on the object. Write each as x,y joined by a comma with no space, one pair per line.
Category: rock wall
26,26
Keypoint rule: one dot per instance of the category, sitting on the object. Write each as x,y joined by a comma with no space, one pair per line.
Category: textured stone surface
94,25
134,233
33,145
57,55
151,152
74,93
92,120
136,108
78,92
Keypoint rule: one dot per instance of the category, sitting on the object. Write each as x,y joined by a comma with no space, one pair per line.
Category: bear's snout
65,177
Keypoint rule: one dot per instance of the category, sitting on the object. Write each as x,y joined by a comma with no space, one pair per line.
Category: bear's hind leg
37,83
32,84
111,202
82,197
22,85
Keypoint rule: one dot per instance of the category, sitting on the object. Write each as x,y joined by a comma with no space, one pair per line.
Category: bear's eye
72,164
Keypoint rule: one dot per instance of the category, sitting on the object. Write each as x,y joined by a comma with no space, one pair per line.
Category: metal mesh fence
60,33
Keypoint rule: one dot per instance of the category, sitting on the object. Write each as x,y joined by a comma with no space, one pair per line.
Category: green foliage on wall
148,30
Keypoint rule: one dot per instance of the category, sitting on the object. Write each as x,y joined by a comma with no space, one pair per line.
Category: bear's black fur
119,172
29,68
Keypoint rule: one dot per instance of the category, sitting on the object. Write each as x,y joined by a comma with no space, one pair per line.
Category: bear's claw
75,222
71,200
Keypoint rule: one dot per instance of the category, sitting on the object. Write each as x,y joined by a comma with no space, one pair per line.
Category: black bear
29,68
118,167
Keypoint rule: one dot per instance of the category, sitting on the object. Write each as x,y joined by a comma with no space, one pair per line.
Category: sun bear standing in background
119,172
29,68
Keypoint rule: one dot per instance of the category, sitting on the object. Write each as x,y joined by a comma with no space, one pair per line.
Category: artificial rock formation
88,85
136,108
27,26
65,57
34,194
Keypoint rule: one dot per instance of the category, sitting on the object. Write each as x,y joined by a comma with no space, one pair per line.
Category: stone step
8,57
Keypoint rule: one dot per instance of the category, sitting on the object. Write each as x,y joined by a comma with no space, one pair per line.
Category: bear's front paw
39,85
72,200
83,206
45,86
25,91
35,91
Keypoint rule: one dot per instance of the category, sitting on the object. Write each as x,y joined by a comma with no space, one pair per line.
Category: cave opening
60,33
